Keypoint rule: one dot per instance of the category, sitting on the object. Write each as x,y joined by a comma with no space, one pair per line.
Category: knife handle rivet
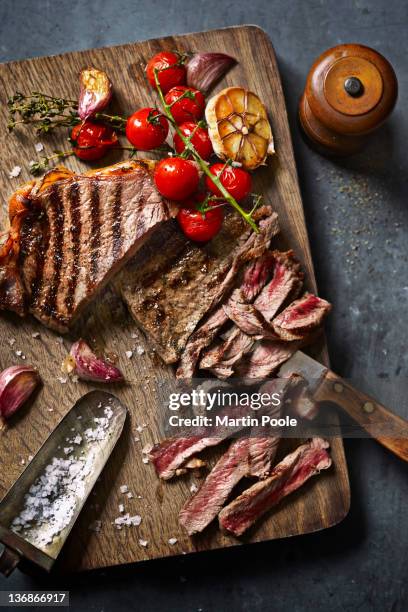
338,388
368,407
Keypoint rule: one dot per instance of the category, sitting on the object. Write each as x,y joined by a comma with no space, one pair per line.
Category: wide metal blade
310,369
78,423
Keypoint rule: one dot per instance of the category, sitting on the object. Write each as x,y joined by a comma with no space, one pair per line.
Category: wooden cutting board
324,501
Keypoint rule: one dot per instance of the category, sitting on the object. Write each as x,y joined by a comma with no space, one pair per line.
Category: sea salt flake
129,354
12,341
139,429
15,172
194,488
143,543
172,541
146,449
140,350
62,380
129,495
123,489
121,508
39,147
35,335
145,459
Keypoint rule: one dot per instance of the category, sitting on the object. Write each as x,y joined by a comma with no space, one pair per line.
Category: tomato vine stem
201,162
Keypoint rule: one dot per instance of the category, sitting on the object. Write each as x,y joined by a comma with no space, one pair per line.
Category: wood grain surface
325,500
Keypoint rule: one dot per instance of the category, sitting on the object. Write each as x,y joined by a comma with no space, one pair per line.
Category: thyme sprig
46,113
203,164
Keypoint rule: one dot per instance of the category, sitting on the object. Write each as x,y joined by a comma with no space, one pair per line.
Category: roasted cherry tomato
171,71
188,108
92,140
236,181
176,178
196,225
147,129
200,139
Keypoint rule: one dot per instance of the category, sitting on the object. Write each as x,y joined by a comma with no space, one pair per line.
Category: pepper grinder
350,91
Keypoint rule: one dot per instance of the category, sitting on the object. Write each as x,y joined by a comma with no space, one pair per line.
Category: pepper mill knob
350,91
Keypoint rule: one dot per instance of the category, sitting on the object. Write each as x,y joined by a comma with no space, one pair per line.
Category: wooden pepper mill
350,90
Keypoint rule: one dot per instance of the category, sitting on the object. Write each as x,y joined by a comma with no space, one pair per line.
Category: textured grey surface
357,218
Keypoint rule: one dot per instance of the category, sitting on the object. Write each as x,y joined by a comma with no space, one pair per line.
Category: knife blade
387,428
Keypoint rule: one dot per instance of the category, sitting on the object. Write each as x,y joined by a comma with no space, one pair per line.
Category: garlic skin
95,92
205,69
89,367
16,385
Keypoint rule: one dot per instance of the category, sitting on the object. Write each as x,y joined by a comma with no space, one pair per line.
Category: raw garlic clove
16,385
89,367
204,70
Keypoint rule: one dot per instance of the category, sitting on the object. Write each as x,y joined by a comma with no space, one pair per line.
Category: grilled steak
286,282
78,231
290,474
254,247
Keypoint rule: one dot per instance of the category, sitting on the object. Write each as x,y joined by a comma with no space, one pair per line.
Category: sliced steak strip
248,318
286,282
254,247
204,506
301,317
290,474
170,454
267,356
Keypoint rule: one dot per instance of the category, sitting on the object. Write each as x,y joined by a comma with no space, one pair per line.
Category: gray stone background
357,215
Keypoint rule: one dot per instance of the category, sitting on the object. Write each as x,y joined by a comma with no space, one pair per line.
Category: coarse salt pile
51,501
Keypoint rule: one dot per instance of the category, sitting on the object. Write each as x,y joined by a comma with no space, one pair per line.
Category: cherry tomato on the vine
92,140
171,70
176,178
199,138
188,108
147,129
196,225
236,181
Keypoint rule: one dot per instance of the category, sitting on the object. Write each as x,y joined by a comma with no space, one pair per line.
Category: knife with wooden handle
325,386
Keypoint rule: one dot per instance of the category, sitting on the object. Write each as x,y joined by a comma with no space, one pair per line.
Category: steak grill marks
74,199
116,221
95,231
56,214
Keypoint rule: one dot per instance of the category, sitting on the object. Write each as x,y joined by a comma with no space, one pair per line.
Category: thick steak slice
78,231
290,474
254,247
301,317
204,506
170,454
286,282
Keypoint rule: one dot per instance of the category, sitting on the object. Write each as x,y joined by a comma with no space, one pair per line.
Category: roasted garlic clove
88,366
95,92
